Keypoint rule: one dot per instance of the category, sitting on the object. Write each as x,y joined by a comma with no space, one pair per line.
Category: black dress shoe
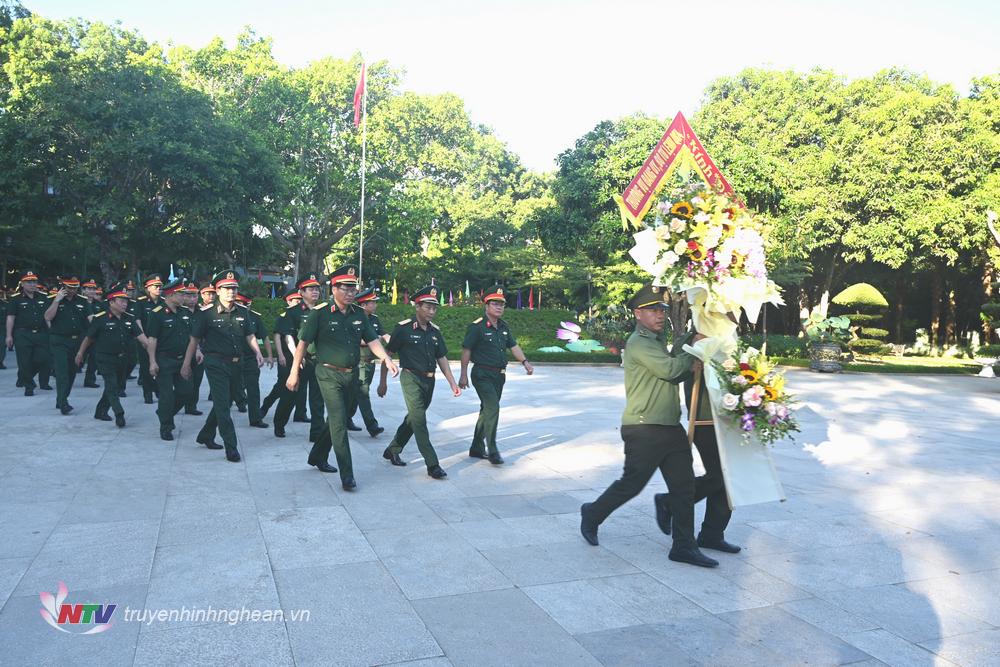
120,421
211,444
718,545
148,400
393,458
663,516
165,434
496,459
65,409
67,405
279,431
130,377
241,408
19,384
349,484
437,472
301,420
373,432
46,387
259,424
103,418
91,385
588,527
323,466
233,456
692,556
476,455
122,394
351,426
193,411
29,392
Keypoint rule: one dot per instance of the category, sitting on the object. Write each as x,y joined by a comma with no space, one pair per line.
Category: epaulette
321,306
435,326
52,296
158,309
240,305
406,321
255,313
207,306
478,321
103,312
290,308
143,298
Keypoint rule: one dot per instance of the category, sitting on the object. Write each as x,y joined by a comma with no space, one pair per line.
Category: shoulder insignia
103,312
240,305
478,321
157,309
52,296
407,321
255,313
142,298
320,306
435,326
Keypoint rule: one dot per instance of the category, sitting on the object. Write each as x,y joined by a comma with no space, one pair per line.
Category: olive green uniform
337,338
488,345
90,376
279,386
222,334
31,337
66,332
113,338
367,366
418,349
3,319
250,389
132,354
172,331
145,306
290,326
652,433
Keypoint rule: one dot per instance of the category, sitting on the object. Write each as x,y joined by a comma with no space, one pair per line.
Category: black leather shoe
165,434
194,411
718,545
301,420
279,431
103,418
241,408
496,459
349,484
46,387
29,392
120,421
663,516
588,527
373,432
122,394
437,472
233,456
91,385
351,426
130,377
323,467
692,556
65,409
148,400
477,455
392,458
211,444
259,424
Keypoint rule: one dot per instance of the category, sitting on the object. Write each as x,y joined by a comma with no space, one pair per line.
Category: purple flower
746,421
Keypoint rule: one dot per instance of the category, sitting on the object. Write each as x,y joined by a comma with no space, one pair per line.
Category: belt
234,360
337,368
31,329
495,369
424,374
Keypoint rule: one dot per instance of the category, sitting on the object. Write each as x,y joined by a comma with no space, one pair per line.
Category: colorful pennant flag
359,94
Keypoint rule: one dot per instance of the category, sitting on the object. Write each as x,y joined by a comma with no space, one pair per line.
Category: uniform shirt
144,306
418,349
488,343
71,317
111,334
29,313
221,333
337,335
258,330
291,321
651,379
366,352
281,328
170,328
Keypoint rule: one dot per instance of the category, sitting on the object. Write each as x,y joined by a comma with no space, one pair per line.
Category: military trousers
363,401
338,390
197,375
489,388
145,379
250,389
307,383
113,369
711,486
417,393
90,377
64,349
33,356
649,447
174,390
224,380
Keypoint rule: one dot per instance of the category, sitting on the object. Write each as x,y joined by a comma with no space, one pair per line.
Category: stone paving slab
886,551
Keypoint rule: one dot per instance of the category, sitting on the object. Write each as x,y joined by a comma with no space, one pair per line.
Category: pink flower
753,396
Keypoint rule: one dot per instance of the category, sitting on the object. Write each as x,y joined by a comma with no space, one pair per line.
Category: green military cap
175,285
495,293
70,281
152,280
89,281
366,295
347,274
308,280
118,290
29,276
226,278
649,296
427,294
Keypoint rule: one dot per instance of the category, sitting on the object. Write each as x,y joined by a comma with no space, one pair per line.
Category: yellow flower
770,392
751,376
683,209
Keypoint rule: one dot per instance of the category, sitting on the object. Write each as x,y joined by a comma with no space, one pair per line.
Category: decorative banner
679,145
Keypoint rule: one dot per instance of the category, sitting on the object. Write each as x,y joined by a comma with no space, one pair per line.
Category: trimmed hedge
991,350
858,319
781,346
867,346
873,332
861,294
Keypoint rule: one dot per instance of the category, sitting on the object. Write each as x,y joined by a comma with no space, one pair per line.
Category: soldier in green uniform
144,305
336,331
249,396
220,330
308,287
69,317
651,429
284,359
168,329
486,343
28,333
202,297
420,345
367,299
133,310
111,332
3,318
89,289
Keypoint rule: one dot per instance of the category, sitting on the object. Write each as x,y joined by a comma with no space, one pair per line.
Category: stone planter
825,357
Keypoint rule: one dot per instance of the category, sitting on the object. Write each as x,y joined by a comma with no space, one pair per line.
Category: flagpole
364,147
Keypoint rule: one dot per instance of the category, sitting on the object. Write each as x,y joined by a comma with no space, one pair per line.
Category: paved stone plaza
885,552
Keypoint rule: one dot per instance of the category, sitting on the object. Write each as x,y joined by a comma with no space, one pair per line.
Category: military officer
89,289
144,305
3,318
651,429
420,345
205,296
168,328
308,287
368,300
29,334
486,343
336,330
133,310
111,332
249,396
69,317
284,358
219,329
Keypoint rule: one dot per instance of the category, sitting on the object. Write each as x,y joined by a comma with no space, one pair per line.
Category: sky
541,73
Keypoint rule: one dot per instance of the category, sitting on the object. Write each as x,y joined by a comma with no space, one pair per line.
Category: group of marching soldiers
328,354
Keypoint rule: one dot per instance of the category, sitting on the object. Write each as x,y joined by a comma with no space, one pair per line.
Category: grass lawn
892,364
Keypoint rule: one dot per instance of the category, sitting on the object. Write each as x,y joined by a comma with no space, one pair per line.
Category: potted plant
826,336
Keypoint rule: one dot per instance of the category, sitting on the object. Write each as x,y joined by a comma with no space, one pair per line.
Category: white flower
696,201
782,412
664,207
739,380
713,237
730,401
771,408
681,247
729,364
702,217
677,225
670,258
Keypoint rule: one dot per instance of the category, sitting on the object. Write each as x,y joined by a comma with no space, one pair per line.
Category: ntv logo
57,614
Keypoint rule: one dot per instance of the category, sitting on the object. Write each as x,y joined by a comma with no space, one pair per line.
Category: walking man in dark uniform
133,310
144,305
168,329
308,287
69,317
249,396
202,297
28,333
3,318
111,332
284,359
368,300
420,345
651,429
89,289
486,343
219,329
336,330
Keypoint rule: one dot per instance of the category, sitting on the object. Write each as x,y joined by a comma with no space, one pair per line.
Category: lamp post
590,313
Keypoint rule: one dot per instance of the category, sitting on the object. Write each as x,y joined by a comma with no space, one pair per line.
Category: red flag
531,298
359,94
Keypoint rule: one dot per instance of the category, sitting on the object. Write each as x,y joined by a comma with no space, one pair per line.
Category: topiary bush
866,307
